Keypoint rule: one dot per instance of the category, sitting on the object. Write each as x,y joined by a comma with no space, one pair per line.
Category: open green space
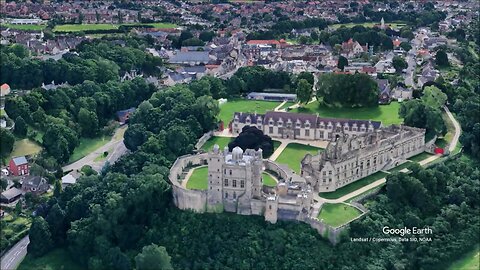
25,147
199,179
287,104
221,141
24,27
388,114
420,157
369,24
104,26
405,165
88,145
470,261
445,141
268,180
293,154
337,214
56,259
242,105
102,156
353,186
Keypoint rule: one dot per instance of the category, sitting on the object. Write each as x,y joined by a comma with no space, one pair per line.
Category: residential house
19,166
402,93
35,184
68,180
191,58
384,91
10,195
4,90
352,48
124,116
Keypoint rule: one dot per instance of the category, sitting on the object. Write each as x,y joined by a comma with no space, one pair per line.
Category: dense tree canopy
357,90
253,138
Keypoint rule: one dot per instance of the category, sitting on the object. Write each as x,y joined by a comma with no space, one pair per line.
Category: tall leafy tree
304,91
153,257
20,128
40,237
342,62
441,58
6,142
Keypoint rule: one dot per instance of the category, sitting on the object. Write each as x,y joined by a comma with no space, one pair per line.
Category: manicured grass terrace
221,141
337,214
268,180
405,165
420,157
293,154
242,105
353,186
388,114
199,179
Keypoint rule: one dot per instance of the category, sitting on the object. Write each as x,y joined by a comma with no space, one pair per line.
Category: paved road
115,147
15,255
458,130
410,59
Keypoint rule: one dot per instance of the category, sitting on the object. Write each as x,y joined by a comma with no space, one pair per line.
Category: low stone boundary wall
272,166
186,198
203,140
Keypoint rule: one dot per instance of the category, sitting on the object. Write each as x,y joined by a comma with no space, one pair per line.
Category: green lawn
88,145
242,105
420,157
388,114
470,261
221,141
57,259
24,27
353,186
102,156
293,154
198,179
288,104
103,26
268,180
337,214
405,165
369,24
25,147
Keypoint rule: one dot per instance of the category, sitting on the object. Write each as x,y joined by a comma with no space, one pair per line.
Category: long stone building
350,158
301,126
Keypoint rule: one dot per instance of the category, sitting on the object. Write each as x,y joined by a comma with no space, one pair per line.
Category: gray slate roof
195,56
19,160
11,193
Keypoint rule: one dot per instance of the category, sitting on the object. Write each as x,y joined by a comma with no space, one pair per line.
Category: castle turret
271,208
214,195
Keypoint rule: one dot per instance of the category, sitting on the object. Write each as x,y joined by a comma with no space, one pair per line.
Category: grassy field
420,157
102,156
198,179
353,186
445,141
405,165
388,114
88,145
470,261
25,147
242,105
293,154
221,141
337,214
288,104
24,27
119,133
369,24
268,180
103,26
56,259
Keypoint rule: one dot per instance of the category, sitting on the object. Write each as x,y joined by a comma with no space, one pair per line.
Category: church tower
382,24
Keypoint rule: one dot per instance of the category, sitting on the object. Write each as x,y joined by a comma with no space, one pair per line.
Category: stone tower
271,208
382,24
257,174
214,192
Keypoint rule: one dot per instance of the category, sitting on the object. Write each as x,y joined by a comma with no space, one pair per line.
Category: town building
10,195
350,158
19,166
301,126
35,184
272,96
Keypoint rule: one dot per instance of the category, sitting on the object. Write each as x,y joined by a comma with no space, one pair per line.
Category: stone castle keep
235,177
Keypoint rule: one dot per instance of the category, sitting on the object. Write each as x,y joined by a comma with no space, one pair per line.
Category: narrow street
15,255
